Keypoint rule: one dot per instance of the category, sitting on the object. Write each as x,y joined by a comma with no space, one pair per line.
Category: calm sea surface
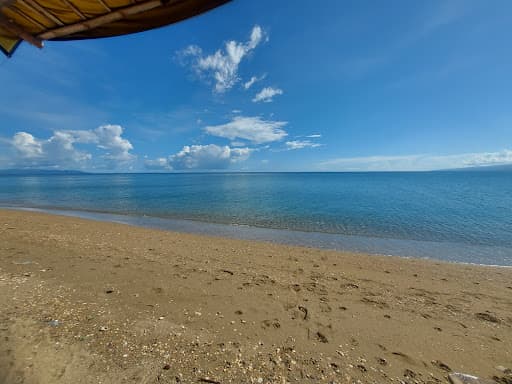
455,216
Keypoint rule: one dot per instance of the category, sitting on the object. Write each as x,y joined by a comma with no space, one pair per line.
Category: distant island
485,168
67,172
38,172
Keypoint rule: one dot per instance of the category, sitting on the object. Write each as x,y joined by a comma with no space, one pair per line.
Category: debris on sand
208,380
304,310
54,323
441,365
462,378
321,337
487,316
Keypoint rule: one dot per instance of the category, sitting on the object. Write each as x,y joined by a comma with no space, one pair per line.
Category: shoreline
458,253
86,301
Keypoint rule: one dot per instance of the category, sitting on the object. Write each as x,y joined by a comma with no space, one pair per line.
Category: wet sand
93,302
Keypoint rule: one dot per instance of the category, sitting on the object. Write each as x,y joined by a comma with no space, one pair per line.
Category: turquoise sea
454,216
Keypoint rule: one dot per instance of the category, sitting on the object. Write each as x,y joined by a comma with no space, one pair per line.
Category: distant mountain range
37,172
486,168
49,172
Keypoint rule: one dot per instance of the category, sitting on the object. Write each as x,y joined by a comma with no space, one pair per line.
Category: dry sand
92,302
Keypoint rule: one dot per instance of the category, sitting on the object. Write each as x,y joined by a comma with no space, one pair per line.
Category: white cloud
248,84
204,157
488,158
314,136
267,94
192,50
417,162
222,66
60,151
161,163
300,144
253,129
27,146
108,137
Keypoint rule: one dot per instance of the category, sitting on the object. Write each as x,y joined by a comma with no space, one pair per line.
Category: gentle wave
459,216
445,251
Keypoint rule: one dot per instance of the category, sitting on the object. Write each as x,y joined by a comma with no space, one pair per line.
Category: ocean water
454,216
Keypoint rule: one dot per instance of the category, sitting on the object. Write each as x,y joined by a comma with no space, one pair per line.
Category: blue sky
271,86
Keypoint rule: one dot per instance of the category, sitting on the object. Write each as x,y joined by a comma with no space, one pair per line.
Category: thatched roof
35,21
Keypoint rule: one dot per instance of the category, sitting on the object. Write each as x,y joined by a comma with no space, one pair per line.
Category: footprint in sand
439,364
321,337
305,312
271,323
382,361
487,316
379,303
410,374
404,357
350,285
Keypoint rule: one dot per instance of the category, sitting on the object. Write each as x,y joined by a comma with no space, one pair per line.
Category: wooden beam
100,20
19,12
74,9
38,9
105,5
15,29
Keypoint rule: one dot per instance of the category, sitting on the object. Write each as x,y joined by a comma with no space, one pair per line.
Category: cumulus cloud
223,65
300,144
487,158
108,137
161,163
267,94
253,129
27,146
60,150
417,162
204,157
248,84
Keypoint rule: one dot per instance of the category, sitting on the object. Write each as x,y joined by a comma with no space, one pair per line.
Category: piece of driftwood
462,378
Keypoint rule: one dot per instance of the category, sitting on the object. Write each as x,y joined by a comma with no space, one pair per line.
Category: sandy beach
93,302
